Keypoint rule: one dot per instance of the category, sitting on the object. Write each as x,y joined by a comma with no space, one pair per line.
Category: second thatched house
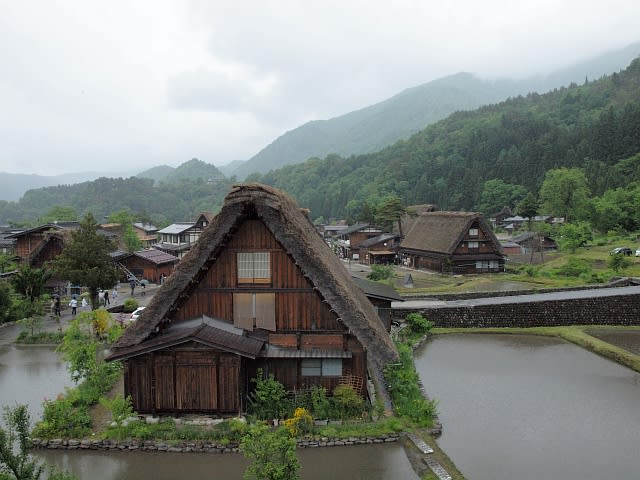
260,290
450,242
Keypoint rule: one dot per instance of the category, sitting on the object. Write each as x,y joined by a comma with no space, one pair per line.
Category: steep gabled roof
385,237
301,241
156,256
442,232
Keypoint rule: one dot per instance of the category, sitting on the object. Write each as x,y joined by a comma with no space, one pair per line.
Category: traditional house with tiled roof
178,238
260,290
450,242
381,249
150,264
146,233
38,245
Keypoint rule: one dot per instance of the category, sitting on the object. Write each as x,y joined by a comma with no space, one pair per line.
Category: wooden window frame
253,267
321,367
254,310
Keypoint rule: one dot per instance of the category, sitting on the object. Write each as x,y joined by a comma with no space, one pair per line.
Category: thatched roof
441,232
300,239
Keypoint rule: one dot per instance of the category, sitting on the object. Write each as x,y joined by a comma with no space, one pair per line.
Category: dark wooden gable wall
298,306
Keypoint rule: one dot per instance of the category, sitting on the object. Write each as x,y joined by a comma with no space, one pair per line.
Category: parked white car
135,314
638,252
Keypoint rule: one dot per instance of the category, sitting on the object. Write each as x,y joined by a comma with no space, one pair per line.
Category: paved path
534,297
9,332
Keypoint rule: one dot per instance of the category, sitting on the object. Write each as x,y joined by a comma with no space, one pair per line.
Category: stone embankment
197,446
605,306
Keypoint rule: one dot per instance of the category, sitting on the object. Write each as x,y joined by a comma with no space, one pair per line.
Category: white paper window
254,267
473,232
254,310
311,367
473,244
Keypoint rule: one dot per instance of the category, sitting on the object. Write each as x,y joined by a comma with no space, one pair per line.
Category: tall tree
497,193
126,218
30,284
389,212
85,260
565,193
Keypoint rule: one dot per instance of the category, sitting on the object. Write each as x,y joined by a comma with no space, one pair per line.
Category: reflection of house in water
260,290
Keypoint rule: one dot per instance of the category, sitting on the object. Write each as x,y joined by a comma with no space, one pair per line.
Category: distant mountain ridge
372,128
193,169
14,185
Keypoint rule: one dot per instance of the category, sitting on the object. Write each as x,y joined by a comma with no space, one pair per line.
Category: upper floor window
254,267
472,244
473,232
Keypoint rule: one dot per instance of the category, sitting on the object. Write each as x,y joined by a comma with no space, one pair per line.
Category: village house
261,290
38,245
146,233
534,242
178,238
150,264
450,242
349,239
379,250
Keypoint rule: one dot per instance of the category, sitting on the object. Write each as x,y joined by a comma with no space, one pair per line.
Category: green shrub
403,384
269,399
418,324
129,305
346,402
573,268
320,404
60,418
380,272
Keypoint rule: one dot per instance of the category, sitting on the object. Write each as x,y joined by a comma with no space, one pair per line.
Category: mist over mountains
363,131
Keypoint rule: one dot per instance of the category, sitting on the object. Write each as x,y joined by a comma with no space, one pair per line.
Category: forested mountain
595,126
377,126
194,169
509,146
161,204
13,185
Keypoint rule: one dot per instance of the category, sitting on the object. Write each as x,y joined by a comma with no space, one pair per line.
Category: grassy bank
575,334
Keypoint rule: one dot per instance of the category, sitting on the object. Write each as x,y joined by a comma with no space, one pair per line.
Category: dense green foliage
85,260
15,442
160,204
272,454
68,415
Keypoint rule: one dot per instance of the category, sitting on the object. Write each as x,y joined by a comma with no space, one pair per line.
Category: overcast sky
124,85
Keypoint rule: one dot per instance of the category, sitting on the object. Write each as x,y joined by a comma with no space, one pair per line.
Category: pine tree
85,260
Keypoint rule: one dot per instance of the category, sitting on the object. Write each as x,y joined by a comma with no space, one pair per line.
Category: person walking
106,298
74,306
114,294
56,307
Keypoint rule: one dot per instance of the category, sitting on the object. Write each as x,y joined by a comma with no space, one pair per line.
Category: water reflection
29,374
525,407
370,462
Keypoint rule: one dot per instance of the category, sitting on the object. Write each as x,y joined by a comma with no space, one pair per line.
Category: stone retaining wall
197,446
612,310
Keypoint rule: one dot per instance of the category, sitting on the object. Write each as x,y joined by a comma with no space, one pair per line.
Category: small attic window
254,267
